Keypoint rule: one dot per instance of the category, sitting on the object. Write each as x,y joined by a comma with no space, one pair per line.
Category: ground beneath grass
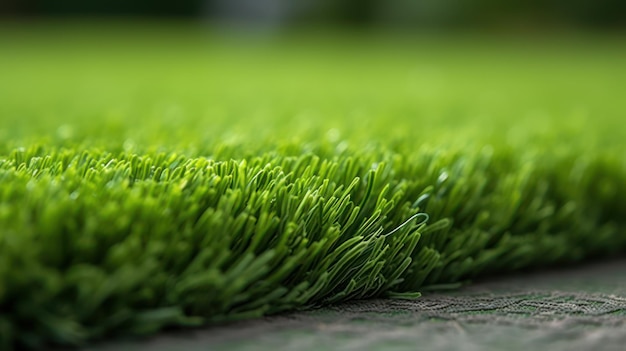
580,308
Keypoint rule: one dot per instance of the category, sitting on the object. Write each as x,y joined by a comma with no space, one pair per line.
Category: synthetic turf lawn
160,176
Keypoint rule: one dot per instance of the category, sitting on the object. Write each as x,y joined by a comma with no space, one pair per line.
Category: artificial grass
161,177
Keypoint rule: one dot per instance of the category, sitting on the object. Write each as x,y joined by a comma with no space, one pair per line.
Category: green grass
164,176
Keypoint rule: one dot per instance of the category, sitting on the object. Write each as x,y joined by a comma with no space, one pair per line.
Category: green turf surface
163,176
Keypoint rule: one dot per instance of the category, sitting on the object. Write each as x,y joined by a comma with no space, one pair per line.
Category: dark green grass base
148,181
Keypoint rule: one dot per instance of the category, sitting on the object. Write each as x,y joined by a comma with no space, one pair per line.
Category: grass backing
161,176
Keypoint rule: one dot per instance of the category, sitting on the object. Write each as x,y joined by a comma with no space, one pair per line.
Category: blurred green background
119,70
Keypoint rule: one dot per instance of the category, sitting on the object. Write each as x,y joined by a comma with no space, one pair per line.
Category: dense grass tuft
123,213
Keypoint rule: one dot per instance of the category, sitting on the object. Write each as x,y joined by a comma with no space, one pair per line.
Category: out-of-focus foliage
406,13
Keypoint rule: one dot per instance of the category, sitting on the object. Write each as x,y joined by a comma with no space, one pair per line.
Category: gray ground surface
582,308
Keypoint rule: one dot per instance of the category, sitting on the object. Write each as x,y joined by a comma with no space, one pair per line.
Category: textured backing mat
576,309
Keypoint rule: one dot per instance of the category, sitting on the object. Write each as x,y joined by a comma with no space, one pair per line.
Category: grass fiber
162,176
